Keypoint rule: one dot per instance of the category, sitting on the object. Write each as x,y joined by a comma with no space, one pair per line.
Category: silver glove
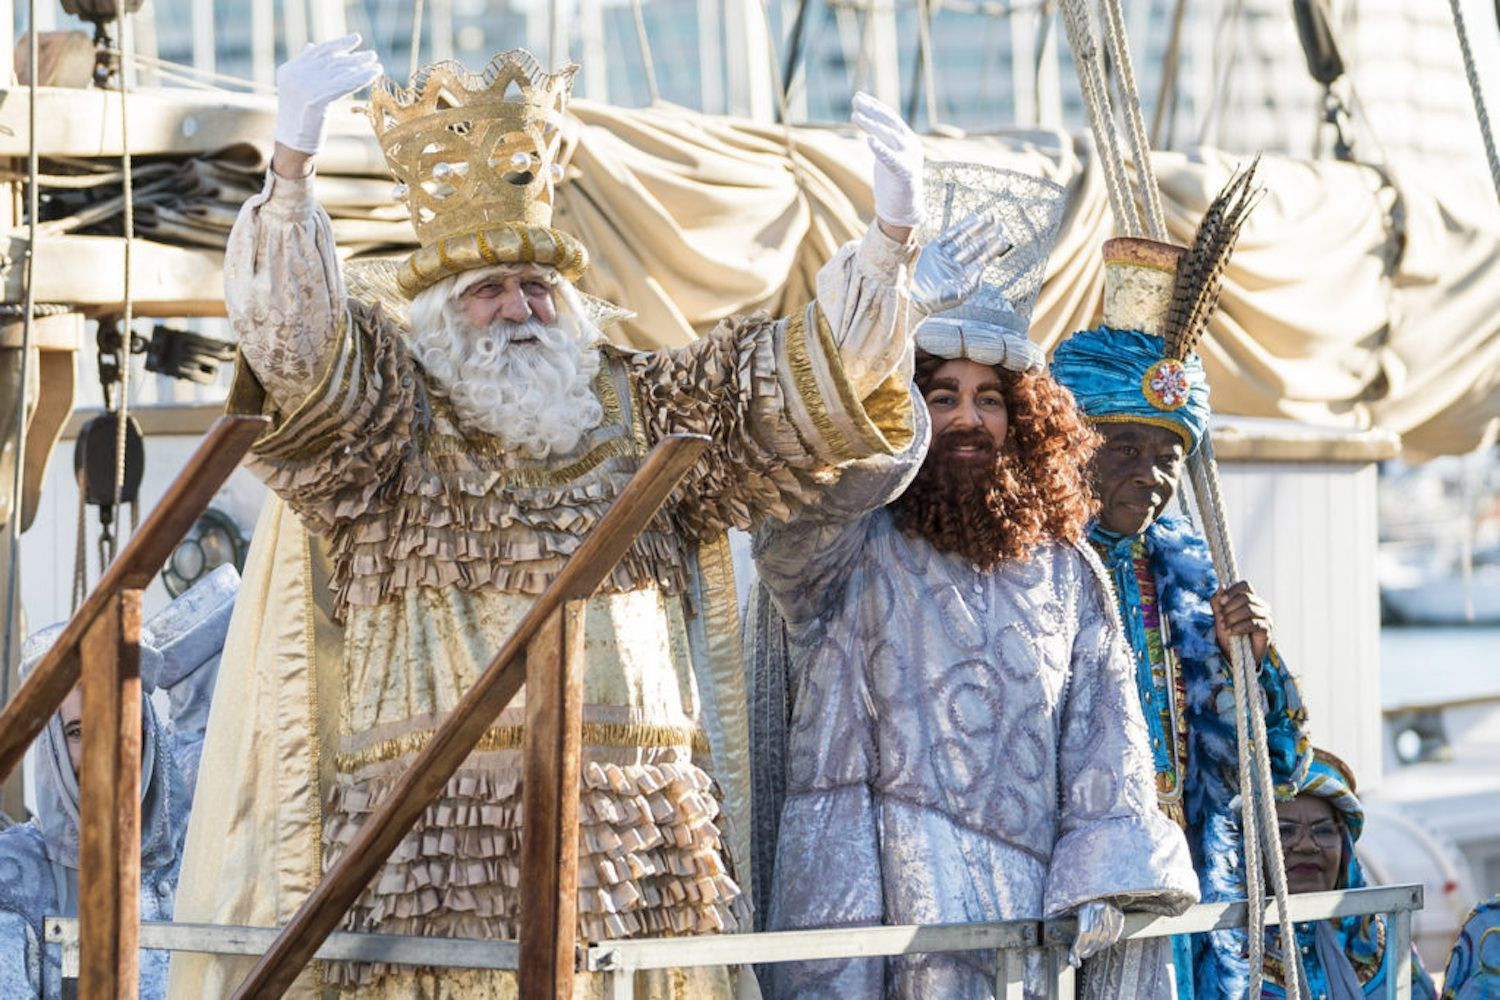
1100,925
950,266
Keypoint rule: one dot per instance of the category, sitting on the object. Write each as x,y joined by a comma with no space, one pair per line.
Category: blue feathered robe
1163,581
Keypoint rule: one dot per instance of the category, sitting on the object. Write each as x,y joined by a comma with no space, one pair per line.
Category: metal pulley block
95,462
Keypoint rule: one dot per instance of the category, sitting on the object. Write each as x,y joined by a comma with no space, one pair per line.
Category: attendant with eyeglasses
1344,959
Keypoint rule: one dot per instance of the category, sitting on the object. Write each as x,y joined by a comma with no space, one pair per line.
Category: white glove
1100,925
898,161
949,268
308,83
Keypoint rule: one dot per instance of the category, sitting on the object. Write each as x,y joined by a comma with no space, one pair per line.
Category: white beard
536,396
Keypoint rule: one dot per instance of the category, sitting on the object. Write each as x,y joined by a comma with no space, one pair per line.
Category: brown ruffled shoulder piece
725,385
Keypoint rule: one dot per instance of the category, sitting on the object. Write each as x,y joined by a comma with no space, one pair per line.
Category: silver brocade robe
961,747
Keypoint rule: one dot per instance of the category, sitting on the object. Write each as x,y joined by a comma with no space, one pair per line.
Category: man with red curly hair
962,742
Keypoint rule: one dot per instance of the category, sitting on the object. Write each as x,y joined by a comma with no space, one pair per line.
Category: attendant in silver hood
949,730
39,859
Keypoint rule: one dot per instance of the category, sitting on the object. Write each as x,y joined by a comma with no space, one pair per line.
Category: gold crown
476,160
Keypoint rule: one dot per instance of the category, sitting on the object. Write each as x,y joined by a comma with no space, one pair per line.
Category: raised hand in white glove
307,83
949,268
898,161
1100,925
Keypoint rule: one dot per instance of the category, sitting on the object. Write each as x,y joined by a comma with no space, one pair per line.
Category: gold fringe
806,382
889,408
599,734
1131,418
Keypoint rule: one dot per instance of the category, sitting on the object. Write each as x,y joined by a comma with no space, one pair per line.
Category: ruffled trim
651,859
739,476
374,460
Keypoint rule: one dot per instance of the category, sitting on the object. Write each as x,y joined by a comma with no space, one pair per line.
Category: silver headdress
990,326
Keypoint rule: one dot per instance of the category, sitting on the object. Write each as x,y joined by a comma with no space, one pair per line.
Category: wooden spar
222,448
549,805
109,853
383,829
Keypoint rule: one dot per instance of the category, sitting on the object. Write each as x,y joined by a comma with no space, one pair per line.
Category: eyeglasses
1324,833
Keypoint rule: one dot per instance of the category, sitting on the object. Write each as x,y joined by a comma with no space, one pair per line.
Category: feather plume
1200,273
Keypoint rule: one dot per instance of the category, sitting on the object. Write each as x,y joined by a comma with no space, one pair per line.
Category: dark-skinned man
1152,410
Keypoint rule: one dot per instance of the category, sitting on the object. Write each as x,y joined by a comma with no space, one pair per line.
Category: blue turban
1330,778
1123,376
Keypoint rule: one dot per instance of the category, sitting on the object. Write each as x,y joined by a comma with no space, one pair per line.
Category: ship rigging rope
1230,29
784,104
1140,147
1261,839
648,64
925,11
416,38
193,75
1478,93
1096,101
1166,94
122,411
18,454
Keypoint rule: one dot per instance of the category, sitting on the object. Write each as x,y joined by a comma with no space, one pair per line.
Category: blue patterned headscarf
1359,939
1123,376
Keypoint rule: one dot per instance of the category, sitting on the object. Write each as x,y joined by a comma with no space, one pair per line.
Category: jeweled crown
476,158
474,149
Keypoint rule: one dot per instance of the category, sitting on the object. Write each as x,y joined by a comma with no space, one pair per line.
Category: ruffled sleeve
1115,844
780,410
332,457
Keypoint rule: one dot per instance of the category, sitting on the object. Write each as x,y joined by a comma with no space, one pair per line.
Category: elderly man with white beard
453,467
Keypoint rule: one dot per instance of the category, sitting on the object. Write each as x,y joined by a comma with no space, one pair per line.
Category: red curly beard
1032,490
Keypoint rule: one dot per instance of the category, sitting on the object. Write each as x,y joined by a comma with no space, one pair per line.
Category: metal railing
619,960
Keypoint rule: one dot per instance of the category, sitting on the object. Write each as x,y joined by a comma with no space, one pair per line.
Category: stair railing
549,641
101,646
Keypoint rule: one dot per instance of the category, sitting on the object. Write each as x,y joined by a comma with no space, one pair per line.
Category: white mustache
503,333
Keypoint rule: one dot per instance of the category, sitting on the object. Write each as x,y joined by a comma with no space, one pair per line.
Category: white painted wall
1305,535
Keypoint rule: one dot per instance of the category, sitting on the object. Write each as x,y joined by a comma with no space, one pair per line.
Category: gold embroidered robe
438,540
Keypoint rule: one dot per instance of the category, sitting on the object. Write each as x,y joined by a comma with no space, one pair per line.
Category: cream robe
438,541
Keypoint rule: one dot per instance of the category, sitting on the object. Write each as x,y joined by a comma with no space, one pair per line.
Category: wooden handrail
44,690
102,642
551,761
427,775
